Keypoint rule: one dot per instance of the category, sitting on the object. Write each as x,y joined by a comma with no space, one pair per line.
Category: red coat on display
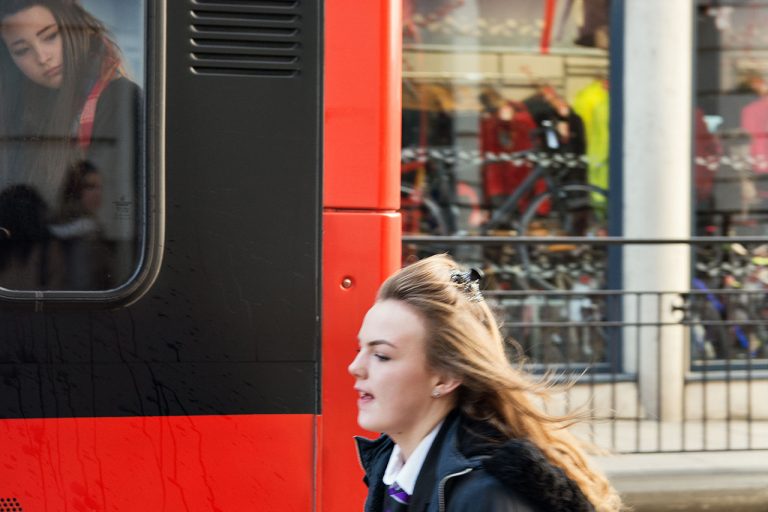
754,120
505,130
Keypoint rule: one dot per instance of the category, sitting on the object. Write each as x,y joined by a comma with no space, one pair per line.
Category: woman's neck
409,439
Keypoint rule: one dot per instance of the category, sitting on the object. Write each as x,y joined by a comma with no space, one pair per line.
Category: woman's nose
356,368
43,55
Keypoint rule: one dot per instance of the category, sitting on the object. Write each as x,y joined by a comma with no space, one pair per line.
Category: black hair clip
470,282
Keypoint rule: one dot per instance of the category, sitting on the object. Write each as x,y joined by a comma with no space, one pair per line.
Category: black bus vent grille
246,38
10,505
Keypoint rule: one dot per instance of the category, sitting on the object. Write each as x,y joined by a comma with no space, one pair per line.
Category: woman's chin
53,82
367,423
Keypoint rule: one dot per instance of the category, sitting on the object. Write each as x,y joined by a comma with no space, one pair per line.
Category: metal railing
658,370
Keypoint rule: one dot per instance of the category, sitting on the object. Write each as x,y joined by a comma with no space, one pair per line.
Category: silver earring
435,394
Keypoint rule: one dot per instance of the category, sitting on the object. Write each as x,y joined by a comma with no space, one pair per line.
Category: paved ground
713,466
627,436
714,481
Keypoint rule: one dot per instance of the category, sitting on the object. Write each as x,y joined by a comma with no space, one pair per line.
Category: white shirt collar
406,473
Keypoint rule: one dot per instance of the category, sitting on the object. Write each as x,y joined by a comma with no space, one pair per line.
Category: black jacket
474,472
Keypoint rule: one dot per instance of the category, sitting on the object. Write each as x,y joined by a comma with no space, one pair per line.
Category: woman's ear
444,385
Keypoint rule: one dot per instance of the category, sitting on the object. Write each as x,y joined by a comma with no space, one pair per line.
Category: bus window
71,143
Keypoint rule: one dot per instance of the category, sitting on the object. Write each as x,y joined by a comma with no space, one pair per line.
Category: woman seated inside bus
64,98
461,431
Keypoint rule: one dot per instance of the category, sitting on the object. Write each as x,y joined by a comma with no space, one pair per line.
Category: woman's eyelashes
377,355
20,51
51,37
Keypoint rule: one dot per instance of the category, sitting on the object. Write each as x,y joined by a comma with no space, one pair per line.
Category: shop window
730,181
506,132
71,145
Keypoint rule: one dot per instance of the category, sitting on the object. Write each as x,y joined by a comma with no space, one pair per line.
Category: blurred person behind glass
86,256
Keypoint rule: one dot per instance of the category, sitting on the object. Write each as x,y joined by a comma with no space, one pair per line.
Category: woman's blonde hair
464,341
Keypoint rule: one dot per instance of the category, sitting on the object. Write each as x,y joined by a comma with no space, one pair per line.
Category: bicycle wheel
572,210
710,337
421,215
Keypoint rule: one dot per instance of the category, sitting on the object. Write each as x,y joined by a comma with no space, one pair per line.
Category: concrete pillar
658,56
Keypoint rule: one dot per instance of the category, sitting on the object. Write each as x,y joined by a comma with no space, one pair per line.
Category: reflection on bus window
69,150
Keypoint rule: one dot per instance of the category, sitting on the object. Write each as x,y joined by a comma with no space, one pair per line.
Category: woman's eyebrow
379,342
40,32
18,42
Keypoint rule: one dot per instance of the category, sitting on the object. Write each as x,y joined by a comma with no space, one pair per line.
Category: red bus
264,215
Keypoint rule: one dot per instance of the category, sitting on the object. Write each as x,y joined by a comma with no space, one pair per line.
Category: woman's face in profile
33,39
392,378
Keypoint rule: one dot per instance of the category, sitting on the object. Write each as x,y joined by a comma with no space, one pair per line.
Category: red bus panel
159,463
361,231
359,251
362,104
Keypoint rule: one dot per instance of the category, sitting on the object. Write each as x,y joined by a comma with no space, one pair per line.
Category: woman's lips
364,398
53,71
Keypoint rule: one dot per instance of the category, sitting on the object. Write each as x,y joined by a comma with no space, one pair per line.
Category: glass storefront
730,176
506,116
506,133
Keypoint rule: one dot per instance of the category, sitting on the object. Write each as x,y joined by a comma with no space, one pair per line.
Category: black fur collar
520,465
